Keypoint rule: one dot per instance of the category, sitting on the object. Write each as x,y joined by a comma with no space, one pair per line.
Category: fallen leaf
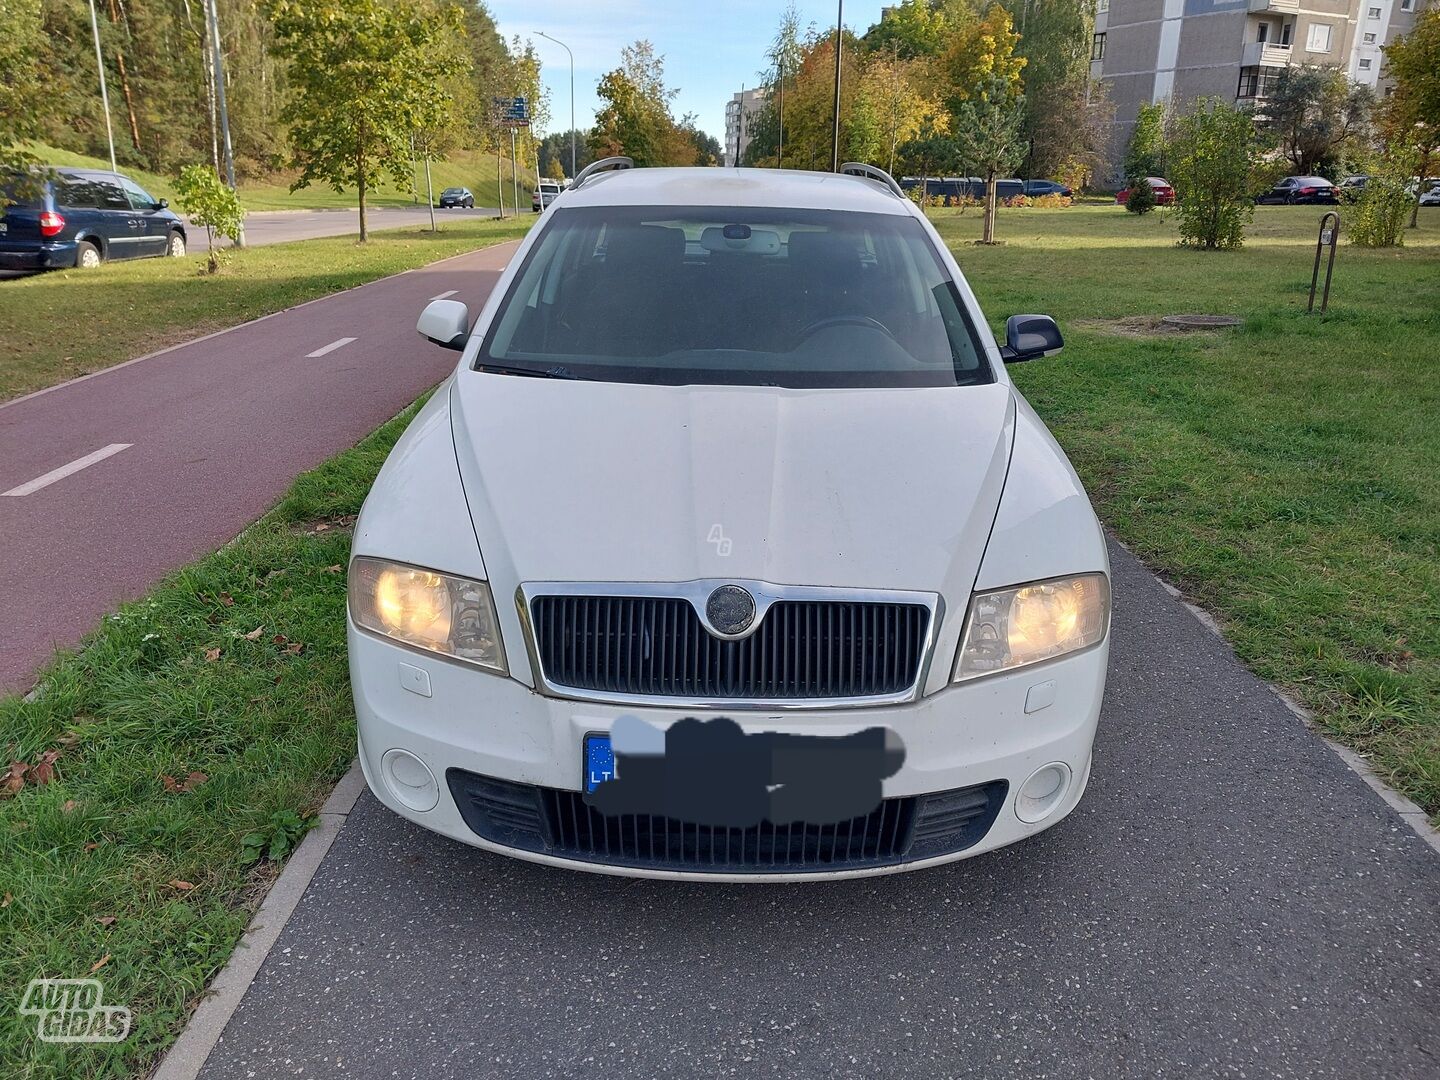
322,527
14,778
227,599
279,639
99,963
70,738
211,655
105,920
171,784
273,573
91,846
194,780
254,635
5,900
68,805
43,771
183,886
295,648
334,569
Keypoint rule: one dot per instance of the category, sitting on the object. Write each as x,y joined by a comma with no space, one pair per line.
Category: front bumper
452,717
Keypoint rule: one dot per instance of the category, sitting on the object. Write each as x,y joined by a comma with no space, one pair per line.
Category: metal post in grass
1329,234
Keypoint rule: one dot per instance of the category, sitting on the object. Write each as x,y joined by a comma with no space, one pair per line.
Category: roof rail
603,165
871,172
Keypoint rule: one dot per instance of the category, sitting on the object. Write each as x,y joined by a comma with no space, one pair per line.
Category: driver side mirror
163,204
445,322
1030,336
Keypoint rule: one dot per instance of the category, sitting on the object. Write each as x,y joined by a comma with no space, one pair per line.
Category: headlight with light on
1009,628
424,609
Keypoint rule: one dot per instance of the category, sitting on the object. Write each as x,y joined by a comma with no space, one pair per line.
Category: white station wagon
729,550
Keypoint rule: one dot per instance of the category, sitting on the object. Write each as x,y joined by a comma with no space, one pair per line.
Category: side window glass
75,193
111,197
139,198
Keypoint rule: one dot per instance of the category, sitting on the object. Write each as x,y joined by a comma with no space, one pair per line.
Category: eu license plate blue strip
599,761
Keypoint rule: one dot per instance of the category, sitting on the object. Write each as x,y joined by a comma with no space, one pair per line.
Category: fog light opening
409,780
1041,795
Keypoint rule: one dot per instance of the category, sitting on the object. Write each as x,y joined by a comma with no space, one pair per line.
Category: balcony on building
1265,54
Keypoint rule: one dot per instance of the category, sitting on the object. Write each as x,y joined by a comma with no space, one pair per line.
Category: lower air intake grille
558,823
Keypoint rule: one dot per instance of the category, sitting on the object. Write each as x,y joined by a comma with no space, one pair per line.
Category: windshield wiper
555,372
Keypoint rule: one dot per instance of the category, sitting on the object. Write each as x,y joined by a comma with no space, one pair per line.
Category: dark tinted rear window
22,191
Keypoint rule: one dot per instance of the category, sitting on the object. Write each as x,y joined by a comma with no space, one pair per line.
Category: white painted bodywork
935,490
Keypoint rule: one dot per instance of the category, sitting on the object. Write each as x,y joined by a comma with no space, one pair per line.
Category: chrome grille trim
696,592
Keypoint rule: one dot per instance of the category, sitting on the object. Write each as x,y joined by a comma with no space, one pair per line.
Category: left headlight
1009,628
428,610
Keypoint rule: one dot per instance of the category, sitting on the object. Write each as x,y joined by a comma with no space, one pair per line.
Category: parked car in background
456,196
1164,193
1431,195
82,217
1035,188
1350,188
546,191
1301,189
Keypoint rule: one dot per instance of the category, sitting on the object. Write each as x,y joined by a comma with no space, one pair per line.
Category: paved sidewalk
1229,901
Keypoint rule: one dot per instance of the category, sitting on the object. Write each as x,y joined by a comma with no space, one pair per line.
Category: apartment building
741,112
1178,50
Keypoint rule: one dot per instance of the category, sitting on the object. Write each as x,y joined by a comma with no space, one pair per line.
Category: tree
1212,165
1316,113
1379,219
365,75
909,29
1411,117
210,204
635,119
1055,42
1141,198
1145,153
21,89
987,106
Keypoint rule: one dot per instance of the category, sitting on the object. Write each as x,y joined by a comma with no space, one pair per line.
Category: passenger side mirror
1030,336
445,322
162,204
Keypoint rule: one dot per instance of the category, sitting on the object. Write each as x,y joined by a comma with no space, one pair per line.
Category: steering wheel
845,320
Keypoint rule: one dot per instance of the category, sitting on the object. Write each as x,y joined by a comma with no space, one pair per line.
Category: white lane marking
32,486
444,295
330,348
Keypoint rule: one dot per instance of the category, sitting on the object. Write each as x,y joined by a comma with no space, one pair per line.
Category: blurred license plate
4,227
598,761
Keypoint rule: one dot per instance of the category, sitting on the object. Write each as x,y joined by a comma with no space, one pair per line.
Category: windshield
739,296
452,191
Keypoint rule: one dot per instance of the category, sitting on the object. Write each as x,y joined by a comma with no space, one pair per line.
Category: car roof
736,187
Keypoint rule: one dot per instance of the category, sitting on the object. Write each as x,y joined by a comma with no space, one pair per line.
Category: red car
1164,193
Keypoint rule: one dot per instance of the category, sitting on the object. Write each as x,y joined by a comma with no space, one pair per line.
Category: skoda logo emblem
730,610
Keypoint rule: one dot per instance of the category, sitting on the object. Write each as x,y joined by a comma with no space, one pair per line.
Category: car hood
857,488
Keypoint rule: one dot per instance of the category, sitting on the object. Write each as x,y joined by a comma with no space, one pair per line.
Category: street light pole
835,133
104,94
557,41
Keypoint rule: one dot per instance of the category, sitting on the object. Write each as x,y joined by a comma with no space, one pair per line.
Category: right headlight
424,609
1009,628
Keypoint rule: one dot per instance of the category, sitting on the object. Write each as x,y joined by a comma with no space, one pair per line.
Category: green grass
465,168
1286,474
169,686
70,322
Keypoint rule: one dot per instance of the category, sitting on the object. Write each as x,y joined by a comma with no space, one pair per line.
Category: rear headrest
645,246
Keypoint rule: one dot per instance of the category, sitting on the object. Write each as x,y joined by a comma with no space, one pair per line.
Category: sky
710,49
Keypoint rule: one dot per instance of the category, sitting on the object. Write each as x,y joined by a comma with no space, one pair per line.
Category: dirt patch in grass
1150,326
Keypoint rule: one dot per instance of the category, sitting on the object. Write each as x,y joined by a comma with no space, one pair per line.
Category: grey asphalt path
216,431
1228,901
277,226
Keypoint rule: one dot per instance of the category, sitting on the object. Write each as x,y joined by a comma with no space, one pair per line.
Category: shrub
1051,202
1212,161
1016,201
1141,199
1380,216
200,193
